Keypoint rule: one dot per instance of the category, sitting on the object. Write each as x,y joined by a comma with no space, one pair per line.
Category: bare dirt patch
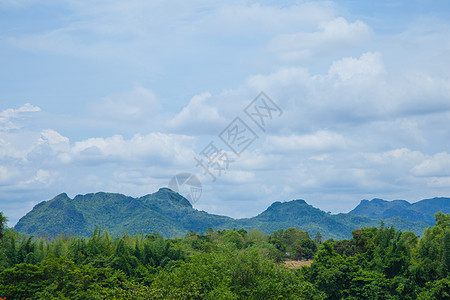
297,264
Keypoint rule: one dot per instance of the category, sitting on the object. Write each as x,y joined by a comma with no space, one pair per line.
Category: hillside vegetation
170,215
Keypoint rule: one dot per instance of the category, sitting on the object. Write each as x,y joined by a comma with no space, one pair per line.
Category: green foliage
61,278
434,290
446,252
3,221
432,255
332,273
318,238
345,247
229,276
382,263
294,242
234,238
376,263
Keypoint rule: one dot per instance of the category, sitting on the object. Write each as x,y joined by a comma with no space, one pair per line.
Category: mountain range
423,210
170,214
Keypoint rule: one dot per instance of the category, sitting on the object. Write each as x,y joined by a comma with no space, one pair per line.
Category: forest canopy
376,263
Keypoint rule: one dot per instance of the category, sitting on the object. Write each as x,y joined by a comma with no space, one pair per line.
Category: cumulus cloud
198,116
153,148
42,177
334,33
9,114
52,152
437,165
54,140
132,106
369,64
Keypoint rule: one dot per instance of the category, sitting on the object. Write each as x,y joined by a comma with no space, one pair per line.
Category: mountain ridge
170,214
422,210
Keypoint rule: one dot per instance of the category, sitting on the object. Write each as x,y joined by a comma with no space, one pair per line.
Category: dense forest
376,263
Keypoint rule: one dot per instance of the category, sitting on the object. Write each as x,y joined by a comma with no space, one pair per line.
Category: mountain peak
169,196
279,204
63,196
378,200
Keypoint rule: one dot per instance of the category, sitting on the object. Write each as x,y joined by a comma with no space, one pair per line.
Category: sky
121,96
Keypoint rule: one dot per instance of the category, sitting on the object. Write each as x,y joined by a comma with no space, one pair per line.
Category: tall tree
3,221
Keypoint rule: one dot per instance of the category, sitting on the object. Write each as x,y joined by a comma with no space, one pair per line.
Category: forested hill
170,214
423,210
165,212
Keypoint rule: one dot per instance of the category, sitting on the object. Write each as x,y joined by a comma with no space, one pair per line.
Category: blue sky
121,96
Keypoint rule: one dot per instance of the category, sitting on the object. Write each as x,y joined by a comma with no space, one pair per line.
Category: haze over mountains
170,214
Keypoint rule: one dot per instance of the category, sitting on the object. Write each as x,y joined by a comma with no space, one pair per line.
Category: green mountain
299,214
170,214
165,212
423,210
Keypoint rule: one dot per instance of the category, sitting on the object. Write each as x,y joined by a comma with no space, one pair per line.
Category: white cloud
55,140
43,178
320,157
423,94
12,113
281,78
136,105
437,165
331,33
321,140
9,114
135,31
395,157
369,64
258,160
255,18
238,177
354,91
153,148
52,155
198,116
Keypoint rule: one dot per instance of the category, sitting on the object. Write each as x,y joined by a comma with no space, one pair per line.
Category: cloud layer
121,97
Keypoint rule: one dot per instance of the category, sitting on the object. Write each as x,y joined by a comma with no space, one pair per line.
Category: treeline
377,263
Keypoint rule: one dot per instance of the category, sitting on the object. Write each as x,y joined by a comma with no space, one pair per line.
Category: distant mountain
423,210
165,212
170,214
299,214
